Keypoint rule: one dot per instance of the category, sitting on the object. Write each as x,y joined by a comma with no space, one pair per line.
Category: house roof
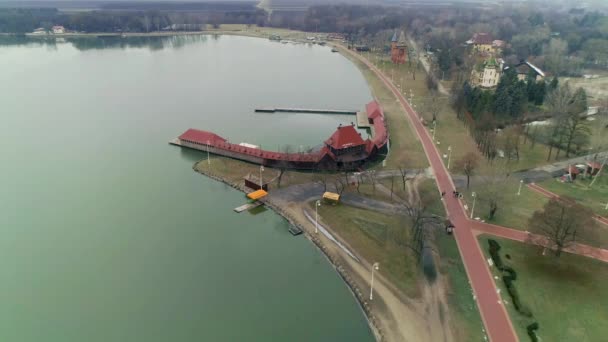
402,41
498,43
201,137
594,165
395,38
524,67
373,110
345,136
573,170
482,38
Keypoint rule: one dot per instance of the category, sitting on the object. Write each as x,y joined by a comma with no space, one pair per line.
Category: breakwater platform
305,110
247,206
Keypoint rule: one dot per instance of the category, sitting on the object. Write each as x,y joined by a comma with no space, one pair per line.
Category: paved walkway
493,313
537,188
522,236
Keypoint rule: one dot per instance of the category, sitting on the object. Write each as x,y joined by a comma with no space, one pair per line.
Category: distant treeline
25,20
181,6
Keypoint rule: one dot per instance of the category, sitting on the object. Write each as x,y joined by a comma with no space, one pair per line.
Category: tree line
27,19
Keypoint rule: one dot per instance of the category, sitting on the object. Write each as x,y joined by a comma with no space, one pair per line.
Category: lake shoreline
332,259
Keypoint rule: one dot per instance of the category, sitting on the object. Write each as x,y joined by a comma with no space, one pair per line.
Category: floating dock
362,120
248,206
305,110
295,230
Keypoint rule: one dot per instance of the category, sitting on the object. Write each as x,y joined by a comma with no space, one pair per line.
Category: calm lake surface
106,233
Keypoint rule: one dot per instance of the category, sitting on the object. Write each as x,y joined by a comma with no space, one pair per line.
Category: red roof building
201,137
344,137
345,149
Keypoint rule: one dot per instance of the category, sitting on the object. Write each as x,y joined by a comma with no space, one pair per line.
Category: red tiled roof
594,165
373,110
343,137
482,38
573,170
201,137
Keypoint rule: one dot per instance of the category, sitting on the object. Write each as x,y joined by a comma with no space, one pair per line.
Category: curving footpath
539,189
493,313
527,237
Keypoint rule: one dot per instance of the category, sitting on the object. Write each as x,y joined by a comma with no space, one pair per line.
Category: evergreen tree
539,94
519,99
554,83
502,99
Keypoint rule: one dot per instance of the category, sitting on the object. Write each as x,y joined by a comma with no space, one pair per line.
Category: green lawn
567,296
592,197
377,238
513,210
464,312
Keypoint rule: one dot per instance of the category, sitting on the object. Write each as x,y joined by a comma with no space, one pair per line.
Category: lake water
106,233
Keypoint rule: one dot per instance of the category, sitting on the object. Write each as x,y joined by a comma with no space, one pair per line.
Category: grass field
465,314
233,171
513,210
594,197
567,296
377,238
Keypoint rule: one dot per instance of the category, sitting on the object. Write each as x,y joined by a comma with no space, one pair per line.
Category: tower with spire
398,48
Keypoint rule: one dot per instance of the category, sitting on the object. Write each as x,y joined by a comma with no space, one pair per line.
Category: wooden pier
305,110
248,206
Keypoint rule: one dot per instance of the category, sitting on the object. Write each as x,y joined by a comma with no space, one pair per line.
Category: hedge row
532,331
509,276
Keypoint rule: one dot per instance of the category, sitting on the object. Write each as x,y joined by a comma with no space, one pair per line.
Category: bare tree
339,185
493,187
321,178
569,125
283,164
403,173
468,164
511,142
433,105
421,219
372,179
561,221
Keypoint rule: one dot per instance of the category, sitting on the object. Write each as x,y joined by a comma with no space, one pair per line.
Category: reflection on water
108,42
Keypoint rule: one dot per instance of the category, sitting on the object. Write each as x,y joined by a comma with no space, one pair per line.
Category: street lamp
375,267
474,200
434,129
208,160
317,205
521,182
261,182
449,156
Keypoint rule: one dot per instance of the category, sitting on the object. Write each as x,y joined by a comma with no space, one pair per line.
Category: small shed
593,168
253,182
332,197
572,171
